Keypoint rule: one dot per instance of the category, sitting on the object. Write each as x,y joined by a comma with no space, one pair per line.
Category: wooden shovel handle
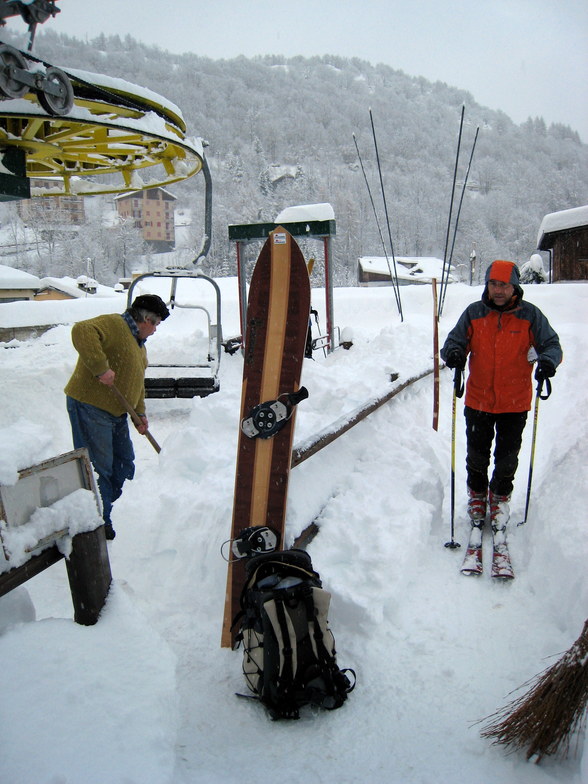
135,417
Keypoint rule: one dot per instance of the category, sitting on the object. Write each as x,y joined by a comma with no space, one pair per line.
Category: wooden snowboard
278,310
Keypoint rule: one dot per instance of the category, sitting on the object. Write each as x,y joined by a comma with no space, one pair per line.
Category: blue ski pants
108,441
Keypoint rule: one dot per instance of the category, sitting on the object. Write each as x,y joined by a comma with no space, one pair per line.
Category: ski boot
476,507
499,511
499,517
472,563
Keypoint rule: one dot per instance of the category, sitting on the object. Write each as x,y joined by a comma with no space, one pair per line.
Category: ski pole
135,417
318,327
538,397
435,358
444,273
396,285
392,279
457,392
465,182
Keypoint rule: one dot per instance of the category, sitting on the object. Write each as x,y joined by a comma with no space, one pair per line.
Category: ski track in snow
434,651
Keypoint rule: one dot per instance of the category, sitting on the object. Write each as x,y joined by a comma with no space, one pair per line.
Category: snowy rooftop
422,268
140,193
11,278
560,221
72,287
306,212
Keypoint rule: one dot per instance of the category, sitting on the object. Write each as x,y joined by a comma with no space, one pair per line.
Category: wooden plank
35,565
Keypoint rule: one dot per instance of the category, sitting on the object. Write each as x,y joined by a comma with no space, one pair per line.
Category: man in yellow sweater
111,350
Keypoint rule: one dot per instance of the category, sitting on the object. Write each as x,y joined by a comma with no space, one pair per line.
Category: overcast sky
526,57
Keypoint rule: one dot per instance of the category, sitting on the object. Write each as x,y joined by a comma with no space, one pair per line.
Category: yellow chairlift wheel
111,140
11,61
56,96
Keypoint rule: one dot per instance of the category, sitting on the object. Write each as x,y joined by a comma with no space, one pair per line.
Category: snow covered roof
11,278
140,193
72,288
306,212
560,221
415,268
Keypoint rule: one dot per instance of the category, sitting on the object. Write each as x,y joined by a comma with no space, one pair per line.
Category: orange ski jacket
498,342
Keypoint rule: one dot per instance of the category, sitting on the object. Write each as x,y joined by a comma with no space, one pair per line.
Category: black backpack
289,657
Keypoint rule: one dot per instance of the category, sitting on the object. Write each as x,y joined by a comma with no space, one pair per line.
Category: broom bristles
544,720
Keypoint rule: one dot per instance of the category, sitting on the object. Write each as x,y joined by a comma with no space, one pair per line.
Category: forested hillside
281,133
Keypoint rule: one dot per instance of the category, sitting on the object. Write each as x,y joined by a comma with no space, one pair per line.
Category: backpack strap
280,698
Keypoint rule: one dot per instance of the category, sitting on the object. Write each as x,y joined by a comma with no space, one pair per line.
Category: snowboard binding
266,419
255,540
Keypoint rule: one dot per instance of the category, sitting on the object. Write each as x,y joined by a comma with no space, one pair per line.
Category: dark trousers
107,439
481,429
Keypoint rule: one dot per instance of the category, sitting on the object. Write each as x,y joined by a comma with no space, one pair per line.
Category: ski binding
472,562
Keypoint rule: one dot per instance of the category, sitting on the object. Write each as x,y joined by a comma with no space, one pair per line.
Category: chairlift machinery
87,134
82,133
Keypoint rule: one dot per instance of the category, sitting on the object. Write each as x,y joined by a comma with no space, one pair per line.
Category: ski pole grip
540,389
458,382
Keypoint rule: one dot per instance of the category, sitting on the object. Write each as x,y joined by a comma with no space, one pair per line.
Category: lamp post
472,265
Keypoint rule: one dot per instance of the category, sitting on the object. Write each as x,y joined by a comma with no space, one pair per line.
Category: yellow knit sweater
107,342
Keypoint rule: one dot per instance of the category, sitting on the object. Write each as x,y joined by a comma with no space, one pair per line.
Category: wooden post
88,571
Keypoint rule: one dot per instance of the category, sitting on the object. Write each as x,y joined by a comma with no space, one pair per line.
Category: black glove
455,359
544,370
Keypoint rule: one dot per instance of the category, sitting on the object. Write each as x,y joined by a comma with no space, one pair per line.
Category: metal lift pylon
245,233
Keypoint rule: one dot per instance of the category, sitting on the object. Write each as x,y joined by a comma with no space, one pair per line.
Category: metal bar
397,288
443,272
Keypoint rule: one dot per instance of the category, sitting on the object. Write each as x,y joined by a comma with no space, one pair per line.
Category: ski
501,563
472,562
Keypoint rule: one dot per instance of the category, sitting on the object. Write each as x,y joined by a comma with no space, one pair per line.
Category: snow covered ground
146,696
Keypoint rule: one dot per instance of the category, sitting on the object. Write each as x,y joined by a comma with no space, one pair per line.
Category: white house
16,285
375,270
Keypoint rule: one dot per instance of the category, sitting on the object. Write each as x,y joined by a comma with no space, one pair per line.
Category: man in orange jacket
503,336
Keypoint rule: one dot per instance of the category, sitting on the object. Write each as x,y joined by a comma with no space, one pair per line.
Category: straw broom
544,720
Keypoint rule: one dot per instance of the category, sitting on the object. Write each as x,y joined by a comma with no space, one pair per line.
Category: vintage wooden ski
278,311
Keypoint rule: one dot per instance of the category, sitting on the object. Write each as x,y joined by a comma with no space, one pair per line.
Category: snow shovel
135,417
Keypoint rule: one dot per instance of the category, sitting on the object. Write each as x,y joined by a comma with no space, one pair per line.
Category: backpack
289,657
